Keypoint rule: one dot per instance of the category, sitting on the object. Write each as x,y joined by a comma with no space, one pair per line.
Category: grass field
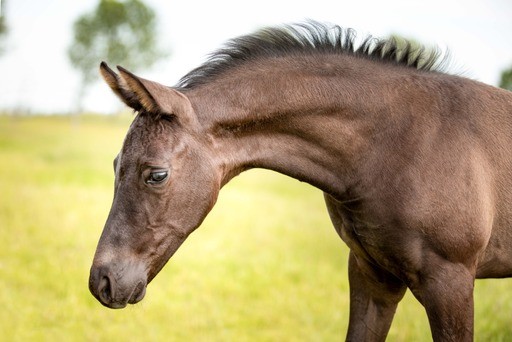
265,266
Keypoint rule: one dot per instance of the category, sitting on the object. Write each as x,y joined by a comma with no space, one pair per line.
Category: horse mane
311,38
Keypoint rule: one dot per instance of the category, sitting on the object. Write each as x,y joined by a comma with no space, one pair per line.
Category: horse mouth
136,296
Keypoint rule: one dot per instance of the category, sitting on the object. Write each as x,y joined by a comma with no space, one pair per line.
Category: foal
415,165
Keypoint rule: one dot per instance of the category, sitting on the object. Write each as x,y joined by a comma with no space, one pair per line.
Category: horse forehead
146,137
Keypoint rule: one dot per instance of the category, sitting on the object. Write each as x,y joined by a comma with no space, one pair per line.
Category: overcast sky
35,73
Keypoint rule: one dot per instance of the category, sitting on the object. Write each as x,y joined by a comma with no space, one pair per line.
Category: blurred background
266,265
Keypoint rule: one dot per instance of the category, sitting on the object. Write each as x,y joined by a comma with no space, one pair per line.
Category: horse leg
447,295
374,296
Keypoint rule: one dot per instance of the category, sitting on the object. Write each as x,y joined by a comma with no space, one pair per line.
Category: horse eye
156,177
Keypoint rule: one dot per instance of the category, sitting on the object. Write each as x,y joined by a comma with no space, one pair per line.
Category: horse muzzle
118,285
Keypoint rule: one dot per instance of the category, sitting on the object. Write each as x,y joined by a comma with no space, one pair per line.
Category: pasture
266,265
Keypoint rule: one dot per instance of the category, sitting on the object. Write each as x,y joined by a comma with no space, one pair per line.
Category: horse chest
364,233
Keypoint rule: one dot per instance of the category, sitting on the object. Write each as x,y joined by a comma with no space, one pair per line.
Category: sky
35,74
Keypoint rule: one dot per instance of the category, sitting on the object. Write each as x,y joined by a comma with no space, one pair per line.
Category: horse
415,165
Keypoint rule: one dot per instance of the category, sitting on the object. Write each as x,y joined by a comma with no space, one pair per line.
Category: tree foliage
120,32
415,48
506,79
3,26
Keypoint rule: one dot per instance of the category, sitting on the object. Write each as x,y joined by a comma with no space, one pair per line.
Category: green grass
265,266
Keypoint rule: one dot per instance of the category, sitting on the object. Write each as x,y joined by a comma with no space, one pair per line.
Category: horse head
166,182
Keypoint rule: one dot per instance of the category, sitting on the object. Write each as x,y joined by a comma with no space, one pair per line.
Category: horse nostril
138,293
105,290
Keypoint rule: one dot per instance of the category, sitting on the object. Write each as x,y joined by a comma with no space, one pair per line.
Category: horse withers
415,165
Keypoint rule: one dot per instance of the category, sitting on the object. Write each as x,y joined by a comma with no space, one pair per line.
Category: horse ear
158,99
119,87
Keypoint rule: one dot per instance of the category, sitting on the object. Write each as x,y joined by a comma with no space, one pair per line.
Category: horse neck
307,122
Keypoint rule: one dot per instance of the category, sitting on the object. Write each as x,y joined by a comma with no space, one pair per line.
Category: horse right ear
119,87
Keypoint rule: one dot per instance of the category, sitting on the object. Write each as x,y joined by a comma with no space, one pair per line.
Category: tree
506,79
429,55
120,32
3,26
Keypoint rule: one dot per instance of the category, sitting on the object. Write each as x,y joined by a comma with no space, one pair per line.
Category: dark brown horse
415,164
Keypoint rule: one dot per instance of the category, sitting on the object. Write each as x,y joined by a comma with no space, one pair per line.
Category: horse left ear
158,99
